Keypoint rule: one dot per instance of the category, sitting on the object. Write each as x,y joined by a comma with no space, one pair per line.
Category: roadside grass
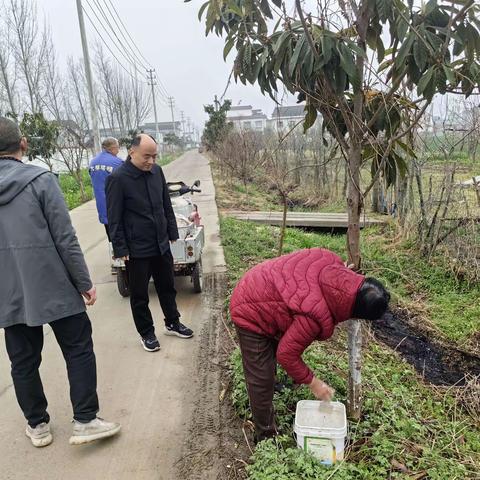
408,430
233,195
426,289
168,158
71,189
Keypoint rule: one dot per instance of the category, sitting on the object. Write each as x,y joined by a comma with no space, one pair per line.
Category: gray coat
42,268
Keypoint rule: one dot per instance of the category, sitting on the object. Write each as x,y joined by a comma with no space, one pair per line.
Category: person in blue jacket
100,168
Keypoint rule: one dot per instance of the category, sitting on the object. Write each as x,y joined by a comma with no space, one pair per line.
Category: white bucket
321,429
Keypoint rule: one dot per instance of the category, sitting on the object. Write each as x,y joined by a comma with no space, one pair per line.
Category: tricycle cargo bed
188,248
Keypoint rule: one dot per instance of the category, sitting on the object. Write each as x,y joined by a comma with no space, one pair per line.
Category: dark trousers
107,231
259,366
140,270
24,347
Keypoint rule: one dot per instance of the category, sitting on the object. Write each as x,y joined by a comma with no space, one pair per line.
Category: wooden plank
303,219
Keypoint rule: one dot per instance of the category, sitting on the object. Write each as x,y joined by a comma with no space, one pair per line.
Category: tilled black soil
438,364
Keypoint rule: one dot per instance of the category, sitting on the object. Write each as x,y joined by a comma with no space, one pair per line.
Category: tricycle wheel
122,283
197,277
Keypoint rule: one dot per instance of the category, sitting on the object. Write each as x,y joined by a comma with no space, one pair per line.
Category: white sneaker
93,430
41,436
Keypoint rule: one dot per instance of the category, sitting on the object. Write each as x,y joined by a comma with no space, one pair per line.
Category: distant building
285,118
110,132
164,128
245,117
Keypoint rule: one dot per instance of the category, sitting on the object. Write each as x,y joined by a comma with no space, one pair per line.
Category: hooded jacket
296,298
42,266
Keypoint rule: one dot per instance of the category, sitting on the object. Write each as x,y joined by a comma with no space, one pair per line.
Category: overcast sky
170,36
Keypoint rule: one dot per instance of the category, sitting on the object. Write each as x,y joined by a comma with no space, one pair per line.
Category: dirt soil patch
216,445
439,364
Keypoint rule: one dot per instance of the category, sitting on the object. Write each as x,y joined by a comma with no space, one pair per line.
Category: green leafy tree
42,137
174,140
370,68
128,139
216,127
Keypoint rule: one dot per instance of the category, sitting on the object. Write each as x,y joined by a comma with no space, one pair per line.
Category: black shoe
178,329
150,344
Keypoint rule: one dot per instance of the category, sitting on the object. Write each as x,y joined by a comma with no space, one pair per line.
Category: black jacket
140,215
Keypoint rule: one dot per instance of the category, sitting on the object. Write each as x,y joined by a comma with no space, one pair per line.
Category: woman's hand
321,390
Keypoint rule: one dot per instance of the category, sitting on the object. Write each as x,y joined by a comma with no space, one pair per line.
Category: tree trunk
335,181
354,204
79,179
345,181
326,184
423,212
284,223
401,200
8,87
354,401
376,197
317,178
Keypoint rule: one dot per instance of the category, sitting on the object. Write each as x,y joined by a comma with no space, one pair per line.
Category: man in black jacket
142,225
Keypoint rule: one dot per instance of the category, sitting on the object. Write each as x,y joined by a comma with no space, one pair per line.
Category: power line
127,51
129,36
163,92
124,54
131,58
115,15
126,47
108,47
162,96
152,84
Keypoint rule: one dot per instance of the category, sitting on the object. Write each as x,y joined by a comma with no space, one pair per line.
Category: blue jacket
100,168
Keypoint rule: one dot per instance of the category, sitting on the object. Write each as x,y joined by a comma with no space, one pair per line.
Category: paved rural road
151,394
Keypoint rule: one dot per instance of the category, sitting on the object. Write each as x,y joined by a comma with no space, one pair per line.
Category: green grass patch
407,430
452,307
166,159
71,189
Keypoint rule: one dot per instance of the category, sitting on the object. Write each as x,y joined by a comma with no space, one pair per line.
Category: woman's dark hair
372,300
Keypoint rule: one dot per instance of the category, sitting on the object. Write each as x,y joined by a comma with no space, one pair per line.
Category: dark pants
107,231
259,366
140,270
24,347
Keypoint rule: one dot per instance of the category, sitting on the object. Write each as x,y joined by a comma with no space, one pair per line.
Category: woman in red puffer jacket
281,306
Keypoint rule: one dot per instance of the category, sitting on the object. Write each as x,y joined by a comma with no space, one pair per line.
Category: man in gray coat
44,279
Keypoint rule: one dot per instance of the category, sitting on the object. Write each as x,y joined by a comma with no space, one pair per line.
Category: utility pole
151,79
171,103
189,128
182,113
216,103
88,76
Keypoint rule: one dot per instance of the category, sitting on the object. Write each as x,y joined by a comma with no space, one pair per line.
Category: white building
245,117
285,118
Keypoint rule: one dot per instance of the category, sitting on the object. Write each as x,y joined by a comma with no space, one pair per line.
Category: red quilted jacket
296,298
